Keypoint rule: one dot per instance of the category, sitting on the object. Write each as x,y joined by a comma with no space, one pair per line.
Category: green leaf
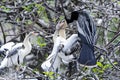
101,71
94,70
118,2
115,63
106,66
4,8
28,7
18,19
49,74
29,22
61,18
41,42
100,64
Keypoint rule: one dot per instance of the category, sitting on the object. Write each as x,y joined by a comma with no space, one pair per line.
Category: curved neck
27,45
62,33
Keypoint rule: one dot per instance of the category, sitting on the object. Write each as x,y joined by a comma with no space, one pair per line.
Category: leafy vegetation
25,15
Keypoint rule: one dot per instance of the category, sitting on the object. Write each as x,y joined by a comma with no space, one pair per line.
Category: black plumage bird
86,32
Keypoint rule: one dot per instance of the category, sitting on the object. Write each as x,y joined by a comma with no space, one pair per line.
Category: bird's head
33,33
74,16
61,25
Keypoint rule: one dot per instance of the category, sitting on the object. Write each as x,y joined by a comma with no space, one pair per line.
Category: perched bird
6,47
59,36
53,61
17,53
57,57
86,32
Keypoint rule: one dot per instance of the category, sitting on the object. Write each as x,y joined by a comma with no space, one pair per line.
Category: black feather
74,16
86,24
86,32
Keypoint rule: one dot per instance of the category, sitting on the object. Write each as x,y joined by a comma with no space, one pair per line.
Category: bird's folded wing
7,46
14,50
86,28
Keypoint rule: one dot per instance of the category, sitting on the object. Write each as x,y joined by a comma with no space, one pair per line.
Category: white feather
54,60
51,64
7,46
19,56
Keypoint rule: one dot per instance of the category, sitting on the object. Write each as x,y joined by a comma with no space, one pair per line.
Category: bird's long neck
59,33
62,33
27,45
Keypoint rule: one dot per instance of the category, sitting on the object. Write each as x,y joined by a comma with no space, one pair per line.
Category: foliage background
17,17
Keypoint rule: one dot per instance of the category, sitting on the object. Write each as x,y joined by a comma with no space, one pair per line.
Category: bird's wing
85,24
7,46
68,44
15,49
86,28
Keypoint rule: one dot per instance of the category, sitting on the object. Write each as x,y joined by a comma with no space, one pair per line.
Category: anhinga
17,53
86,32
6,47
55,59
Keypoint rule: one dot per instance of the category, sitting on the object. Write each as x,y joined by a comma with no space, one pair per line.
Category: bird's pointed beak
38,33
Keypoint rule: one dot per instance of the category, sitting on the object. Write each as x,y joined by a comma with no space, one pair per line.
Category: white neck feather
27,45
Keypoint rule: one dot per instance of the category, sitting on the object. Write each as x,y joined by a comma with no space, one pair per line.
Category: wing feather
15,49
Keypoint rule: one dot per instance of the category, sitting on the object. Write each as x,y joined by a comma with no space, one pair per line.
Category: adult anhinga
17,53
86,32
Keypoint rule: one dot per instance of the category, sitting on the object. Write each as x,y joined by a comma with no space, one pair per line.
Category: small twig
118,33
103,50
49,8
62,7
112,63
4,36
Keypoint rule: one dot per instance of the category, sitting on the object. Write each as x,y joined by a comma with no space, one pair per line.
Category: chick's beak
37,33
